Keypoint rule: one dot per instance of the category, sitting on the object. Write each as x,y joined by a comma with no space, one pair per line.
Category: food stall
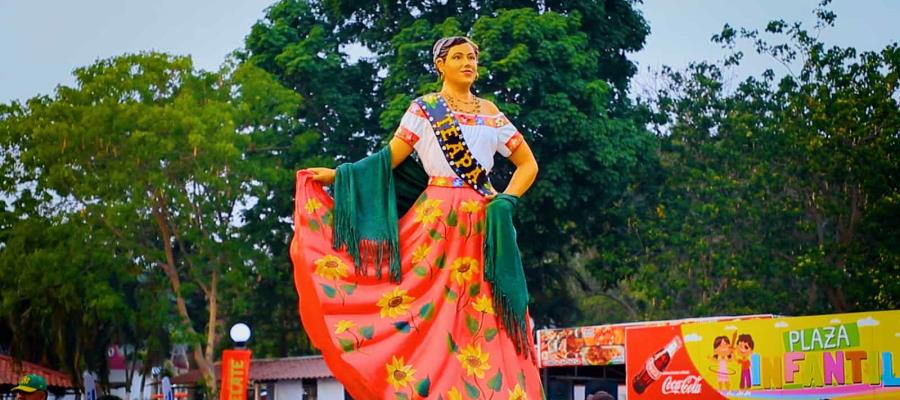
579,361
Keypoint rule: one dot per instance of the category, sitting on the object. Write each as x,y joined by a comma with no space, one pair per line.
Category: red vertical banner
235,374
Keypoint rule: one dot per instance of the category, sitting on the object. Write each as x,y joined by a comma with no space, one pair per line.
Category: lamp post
236,365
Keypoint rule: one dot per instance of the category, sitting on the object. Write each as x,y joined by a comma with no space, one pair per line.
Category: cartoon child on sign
722,354
744,348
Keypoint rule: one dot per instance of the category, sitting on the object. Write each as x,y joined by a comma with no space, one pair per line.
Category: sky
43,41
680,31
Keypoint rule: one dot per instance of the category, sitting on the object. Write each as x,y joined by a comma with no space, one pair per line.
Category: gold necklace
464,106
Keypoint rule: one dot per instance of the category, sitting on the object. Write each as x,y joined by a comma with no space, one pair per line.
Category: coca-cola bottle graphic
655,366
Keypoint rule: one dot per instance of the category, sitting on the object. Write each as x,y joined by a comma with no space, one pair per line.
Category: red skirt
435,334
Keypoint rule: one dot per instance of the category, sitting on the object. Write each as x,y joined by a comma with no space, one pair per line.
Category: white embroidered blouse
484,134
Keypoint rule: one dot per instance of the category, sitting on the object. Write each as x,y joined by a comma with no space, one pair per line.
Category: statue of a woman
431,302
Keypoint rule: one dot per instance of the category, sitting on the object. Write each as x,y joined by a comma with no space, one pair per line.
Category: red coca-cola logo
687,385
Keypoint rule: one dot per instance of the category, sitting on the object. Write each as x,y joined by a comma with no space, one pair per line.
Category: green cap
31,383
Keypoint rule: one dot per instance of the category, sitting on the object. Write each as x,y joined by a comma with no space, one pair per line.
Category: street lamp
240,334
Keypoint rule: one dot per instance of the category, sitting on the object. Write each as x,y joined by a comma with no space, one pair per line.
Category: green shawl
503,269
365,214
368,197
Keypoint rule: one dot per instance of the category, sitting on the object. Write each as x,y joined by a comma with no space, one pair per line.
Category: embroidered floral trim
494,121
406,135
514,142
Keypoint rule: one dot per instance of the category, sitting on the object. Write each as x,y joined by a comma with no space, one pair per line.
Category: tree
778,195
58,300
611,27
151,153
65,306
331,124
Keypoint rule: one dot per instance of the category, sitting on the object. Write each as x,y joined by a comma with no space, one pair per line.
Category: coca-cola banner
589,345
657,366
838,356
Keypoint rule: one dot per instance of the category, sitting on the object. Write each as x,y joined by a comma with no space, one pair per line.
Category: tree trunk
143,383
213,302
205,364
213,307
130,365
207,368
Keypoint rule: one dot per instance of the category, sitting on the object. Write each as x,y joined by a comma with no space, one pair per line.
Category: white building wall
118,376
289,390
330,389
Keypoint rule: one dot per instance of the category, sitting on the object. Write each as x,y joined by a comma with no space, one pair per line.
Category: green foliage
148,156
540,69
58,301
779,195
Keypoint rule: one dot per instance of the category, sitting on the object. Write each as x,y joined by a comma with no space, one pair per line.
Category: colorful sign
235,374
590,345
839,356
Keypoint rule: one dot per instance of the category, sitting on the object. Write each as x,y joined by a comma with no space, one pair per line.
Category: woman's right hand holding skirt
324,176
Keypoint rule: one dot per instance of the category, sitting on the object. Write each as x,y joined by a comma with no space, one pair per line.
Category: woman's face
460,65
